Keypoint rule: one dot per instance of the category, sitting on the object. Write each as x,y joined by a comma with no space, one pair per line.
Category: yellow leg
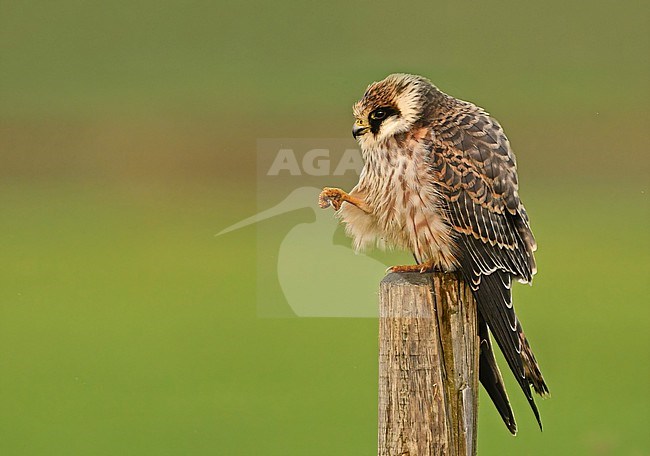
335,197
427,266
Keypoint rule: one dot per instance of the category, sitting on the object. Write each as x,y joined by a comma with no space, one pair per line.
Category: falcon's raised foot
335,197
332,197
427,266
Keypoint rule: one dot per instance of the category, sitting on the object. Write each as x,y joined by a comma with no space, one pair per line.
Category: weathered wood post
428,366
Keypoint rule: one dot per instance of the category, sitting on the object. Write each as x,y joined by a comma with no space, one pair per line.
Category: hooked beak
358,130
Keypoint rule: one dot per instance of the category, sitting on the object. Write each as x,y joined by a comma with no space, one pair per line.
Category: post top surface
415,278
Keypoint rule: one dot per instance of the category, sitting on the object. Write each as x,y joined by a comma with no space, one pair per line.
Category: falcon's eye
378,114
376,118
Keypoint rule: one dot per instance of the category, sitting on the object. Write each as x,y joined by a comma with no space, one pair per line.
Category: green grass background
127,140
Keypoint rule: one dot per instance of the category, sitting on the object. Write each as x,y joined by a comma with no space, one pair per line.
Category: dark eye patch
377,116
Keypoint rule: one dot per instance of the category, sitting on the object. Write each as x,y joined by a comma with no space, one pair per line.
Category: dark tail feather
494,304
533,406
533,374
491,379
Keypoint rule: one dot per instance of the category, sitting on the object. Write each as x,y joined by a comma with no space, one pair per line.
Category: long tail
495,307
491,379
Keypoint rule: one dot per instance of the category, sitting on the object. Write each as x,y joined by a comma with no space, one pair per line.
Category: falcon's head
391,106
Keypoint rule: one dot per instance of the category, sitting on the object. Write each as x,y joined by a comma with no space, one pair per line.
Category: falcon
440,180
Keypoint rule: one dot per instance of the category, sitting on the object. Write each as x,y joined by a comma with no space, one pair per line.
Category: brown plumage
440,180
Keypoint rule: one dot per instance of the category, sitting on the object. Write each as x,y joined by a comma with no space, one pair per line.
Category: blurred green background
128,139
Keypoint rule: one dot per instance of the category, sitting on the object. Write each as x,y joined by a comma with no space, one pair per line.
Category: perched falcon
440,180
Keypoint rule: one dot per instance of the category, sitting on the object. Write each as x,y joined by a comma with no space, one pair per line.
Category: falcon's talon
427,266
331,197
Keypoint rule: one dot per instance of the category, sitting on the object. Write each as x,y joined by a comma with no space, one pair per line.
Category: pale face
388,108
379,124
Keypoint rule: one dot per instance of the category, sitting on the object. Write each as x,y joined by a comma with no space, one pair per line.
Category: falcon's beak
358,130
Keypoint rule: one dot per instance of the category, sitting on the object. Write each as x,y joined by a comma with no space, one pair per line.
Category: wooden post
428,366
